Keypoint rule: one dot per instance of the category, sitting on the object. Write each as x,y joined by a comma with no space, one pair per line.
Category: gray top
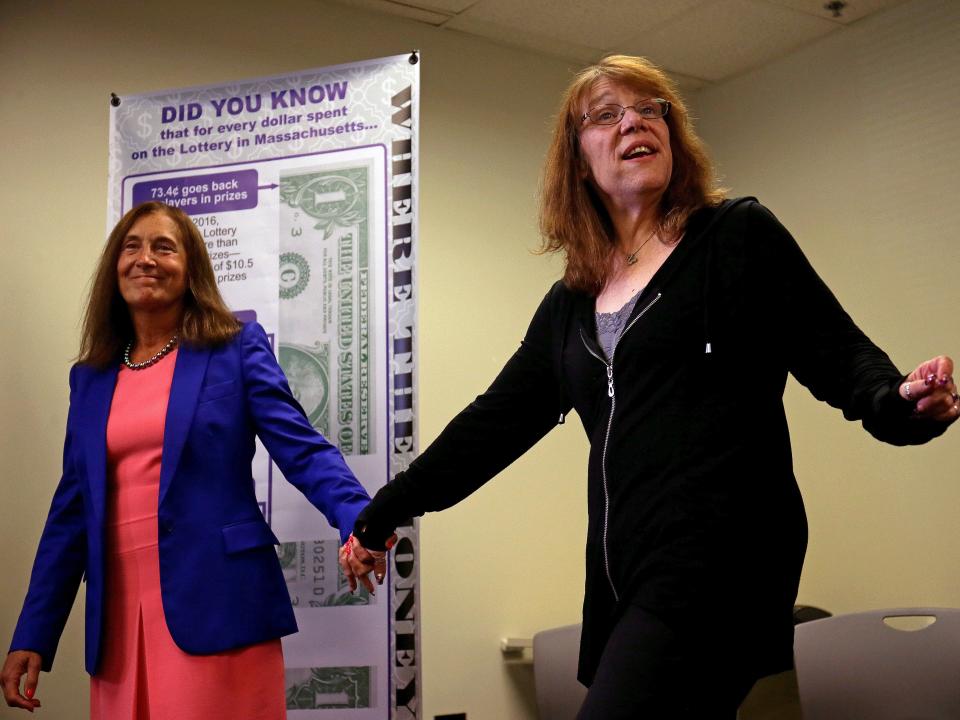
611,325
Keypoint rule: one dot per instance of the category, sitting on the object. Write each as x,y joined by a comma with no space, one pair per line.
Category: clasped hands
358,562
932,390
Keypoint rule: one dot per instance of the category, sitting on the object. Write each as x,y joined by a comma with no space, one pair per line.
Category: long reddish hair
573,219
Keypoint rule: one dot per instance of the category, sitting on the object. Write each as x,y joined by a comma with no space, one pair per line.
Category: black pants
665,670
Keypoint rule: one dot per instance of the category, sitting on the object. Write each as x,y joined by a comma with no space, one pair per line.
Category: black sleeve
822,346
520,407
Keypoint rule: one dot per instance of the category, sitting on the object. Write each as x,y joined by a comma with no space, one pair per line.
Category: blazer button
168,528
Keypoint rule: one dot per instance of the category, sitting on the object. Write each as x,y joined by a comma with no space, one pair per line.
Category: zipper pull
610,380
562,419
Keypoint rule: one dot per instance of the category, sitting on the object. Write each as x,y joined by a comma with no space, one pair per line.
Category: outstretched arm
826,351
520,407
314,465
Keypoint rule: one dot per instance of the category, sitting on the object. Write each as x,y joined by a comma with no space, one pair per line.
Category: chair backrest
555,655
857,667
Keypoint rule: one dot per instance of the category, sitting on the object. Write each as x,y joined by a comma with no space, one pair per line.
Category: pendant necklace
632,257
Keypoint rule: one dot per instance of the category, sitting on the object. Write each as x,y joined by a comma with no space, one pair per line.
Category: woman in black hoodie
670,292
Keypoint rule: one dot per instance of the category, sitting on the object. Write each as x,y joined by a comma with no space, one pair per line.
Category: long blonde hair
107,327
572,217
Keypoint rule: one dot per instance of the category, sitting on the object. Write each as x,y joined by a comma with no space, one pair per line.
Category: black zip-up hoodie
694,511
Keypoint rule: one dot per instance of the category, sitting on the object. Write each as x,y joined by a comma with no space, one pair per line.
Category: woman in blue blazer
221,583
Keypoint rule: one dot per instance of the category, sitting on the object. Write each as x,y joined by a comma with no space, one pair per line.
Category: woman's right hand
18,663
933,391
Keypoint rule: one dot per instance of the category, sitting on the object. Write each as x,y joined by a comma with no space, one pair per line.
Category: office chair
555,654
859,667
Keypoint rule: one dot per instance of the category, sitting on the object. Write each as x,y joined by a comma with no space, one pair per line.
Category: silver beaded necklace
171,343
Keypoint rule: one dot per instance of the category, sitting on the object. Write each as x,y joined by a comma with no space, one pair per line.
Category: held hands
932,390
357,562
18,663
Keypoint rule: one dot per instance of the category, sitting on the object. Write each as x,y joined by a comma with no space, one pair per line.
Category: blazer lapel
187,379
94,427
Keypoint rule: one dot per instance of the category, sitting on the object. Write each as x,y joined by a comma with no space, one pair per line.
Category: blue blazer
221,582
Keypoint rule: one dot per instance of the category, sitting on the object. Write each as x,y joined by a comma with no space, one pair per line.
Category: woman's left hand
357,563
932,390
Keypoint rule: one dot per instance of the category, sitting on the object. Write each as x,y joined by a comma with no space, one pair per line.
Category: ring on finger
906,391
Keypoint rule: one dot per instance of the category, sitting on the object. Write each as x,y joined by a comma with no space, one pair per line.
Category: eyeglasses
610,114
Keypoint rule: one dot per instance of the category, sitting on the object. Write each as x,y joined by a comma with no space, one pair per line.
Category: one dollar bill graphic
329,687
326,301
314,577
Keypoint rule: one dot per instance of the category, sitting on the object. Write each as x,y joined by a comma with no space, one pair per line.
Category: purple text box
202,194
245,316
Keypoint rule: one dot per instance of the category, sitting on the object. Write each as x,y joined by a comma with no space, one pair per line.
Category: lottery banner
304,187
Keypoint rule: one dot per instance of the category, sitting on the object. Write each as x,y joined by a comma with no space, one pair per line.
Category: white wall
853,143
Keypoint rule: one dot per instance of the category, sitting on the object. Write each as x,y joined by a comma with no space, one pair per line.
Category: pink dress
143,674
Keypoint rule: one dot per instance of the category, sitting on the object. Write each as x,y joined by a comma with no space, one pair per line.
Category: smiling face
152,265
628,163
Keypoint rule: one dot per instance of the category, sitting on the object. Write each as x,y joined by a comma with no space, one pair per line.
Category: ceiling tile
390,8
590,24
697,41
686,83
855,9
451,7
577,54
718,40
523,38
